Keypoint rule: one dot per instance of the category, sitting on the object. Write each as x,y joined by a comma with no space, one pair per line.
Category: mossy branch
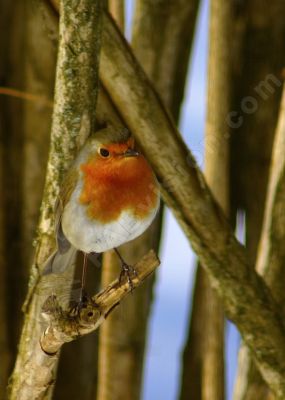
73,118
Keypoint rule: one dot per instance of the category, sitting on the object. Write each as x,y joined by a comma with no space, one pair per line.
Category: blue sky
169,319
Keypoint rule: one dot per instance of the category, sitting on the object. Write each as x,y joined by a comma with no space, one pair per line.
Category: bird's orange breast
116,185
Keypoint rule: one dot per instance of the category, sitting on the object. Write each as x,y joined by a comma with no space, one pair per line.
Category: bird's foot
128,271
77,306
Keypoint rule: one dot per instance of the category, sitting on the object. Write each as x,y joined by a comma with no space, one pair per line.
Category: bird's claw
77,306
127,271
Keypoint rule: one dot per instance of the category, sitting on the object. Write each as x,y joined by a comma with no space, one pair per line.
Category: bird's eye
104,152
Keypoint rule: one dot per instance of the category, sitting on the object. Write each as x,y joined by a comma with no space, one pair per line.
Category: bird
109,196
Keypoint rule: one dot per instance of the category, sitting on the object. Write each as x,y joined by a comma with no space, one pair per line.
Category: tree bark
117,10
73,119
13,49
271,254
7,324
257,63
39,75
163,34
204,353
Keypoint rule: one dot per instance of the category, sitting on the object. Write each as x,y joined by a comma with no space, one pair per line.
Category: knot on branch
67,325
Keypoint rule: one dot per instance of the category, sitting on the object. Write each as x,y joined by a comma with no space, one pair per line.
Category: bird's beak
131,153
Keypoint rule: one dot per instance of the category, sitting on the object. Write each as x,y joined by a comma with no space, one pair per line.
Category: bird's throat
109,188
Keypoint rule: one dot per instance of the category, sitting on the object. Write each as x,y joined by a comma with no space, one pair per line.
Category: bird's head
115,176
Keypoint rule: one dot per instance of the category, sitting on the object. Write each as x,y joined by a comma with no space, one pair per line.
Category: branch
208,347
64,327
250,162
117,10
73,119
163,33
37,377
271,253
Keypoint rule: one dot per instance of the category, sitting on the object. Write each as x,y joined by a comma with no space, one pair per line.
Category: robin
109,196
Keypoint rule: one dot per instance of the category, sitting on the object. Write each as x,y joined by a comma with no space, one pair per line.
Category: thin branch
40,100
67,325
64,327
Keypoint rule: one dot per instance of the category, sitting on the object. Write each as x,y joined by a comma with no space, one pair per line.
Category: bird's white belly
92,236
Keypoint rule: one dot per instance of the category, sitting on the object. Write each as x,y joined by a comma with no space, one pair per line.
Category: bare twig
63,327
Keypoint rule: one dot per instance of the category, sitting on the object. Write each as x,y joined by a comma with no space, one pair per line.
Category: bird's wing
66,190
61,259
58,263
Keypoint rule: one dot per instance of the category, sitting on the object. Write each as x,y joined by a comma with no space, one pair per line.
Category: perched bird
109,196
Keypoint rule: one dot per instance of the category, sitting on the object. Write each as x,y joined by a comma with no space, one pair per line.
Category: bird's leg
127,270
94,258
83,295
76,306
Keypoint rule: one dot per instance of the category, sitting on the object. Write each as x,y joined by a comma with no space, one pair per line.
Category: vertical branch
7,187
162,37
13,24
271,251
258,60
4,335
216,173
39,75
4,342
73,119
193,350
271,254
204,353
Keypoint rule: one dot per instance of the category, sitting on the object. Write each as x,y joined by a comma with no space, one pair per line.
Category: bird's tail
58,262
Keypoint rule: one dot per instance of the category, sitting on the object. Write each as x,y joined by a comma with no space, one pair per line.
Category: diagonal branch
246,298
